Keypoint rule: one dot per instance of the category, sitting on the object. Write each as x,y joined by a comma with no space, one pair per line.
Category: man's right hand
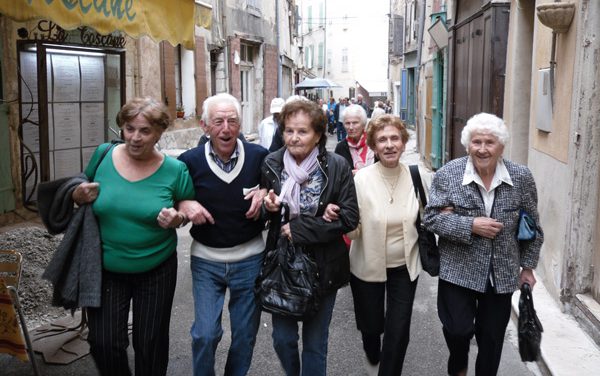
195,212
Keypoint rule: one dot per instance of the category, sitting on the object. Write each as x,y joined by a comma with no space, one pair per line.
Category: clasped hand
482,226
486,227
273,204
169,218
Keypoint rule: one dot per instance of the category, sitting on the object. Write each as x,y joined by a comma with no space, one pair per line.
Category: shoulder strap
417,184
106,150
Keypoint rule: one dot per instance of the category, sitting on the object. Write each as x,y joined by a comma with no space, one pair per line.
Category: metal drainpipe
227,48
279,73
419,50
325,44
552,65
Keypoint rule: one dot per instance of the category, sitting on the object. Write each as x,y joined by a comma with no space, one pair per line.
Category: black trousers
152,296
385,307
464,313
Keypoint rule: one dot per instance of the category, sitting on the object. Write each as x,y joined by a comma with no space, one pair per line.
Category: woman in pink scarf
307,177
354,147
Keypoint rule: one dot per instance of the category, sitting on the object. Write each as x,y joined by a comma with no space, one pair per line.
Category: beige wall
555,143
517,89
546,154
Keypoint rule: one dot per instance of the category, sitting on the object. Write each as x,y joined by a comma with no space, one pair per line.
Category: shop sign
48,31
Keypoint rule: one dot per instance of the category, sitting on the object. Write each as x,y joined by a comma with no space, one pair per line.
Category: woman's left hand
169,218
272,202
286,231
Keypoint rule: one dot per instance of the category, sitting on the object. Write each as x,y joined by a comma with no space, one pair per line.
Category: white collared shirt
500,175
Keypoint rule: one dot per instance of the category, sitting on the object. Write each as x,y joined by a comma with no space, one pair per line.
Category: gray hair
210,102
484,123
292,98
356,110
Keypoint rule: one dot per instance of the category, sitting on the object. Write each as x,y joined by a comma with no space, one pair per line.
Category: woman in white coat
384,256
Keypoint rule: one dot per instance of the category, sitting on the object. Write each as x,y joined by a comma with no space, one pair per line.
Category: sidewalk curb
565,349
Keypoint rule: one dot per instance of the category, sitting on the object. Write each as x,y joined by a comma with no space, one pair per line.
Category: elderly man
227,247
360,101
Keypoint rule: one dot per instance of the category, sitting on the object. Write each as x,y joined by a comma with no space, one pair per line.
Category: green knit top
132,240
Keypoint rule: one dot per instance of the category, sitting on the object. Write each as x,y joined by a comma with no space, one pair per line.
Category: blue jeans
210,281
341,131
315,333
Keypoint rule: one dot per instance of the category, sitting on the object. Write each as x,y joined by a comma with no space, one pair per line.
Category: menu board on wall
67,128
66,163
92,78
65,71
77,111
92,124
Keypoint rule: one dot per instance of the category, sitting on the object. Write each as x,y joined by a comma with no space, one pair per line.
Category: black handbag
288,283
428,248
530,327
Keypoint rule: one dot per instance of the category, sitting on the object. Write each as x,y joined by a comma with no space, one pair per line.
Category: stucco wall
555,143
553,203
517,90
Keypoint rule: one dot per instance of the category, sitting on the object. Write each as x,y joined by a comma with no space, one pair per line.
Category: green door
437,107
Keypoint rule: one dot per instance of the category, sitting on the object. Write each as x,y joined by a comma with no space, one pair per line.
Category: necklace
389,186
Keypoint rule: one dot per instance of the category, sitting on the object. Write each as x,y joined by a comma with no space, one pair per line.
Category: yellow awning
171,20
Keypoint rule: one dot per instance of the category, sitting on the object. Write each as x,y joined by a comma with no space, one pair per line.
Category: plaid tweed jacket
467,259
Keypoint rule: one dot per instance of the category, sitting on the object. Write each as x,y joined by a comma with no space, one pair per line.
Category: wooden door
460,89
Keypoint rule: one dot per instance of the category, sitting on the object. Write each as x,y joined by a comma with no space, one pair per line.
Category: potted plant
180,111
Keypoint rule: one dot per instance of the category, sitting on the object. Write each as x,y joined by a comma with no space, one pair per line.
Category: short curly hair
381,122
318,120
155,112
484,123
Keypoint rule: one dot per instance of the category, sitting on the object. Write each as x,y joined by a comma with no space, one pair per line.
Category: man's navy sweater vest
225,201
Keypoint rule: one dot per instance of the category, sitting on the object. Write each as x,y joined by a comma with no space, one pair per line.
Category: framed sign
439,33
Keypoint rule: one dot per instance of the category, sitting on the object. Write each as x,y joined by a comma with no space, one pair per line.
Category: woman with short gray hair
474,206
354,147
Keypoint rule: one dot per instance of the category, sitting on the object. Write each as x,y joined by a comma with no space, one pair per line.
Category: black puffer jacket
323,239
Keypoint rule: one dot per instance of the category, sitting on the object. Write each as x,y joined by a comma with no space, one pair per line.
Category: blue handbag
527,227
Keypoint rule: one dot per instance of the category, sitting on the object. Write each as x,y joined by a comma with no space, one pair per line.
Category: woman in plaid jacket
474,207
